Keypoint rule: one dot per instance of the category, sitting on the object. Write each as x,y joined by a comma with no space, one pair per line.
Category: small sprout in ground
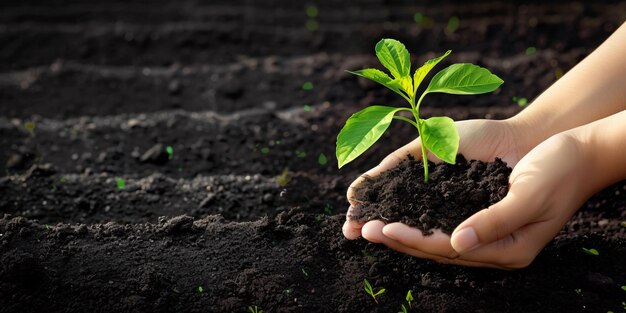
170,152
254,309
307,108
531,50
591,251
370,291
200,289
328,209
46,226
318,217
322,159
304,272
409,298
274,242
288,291
265,150
175,290
578,290
120,183
422,20
311,11
307,86
439,134
276,142
453,25
418,18
300,153
312,25
558,73
284,177
403,309
624,288
520,101
30,127
623,224
367,255
62,180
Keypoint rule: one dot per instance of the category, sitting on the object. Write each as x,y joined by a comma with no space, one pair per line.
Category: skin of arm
595,88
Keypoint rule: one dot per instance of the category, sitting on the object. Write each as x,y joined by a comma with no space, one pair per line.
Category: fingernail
465,240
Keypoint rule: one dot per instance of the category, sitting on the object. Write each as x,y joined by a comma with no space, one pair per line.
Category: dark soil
92,93
453,193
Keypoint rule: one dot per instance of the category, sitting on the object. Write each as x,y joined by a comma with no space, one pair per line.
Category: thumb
494,223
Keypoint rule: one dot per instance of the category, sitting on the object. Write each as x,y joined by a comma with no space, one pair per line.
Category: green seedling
311,25
531,50
322,159
370,291
624,288
30,127
307,108
318,218
170,152
312,11
300,153
46,226
307,86
409,298
120,183
453,25
591,251
328,209
304,272
265,150
284,177
254,309
520,101
422,20
200,289
578,291
403,309
438,135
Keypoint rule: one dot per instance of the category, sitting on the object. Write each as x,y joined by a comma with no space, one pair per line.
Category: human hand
546,187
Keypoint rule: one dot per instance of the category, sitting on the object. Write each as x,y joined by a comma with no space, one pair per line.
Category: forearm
593,89
603,144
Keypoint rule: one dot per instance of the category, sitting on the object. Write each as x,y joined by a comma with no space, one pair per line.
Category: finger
496,222
373,231
518,249
351,227
437,243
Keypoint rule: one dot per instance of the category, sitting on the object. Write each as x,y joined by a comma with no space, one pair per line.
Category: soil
453,193
92,94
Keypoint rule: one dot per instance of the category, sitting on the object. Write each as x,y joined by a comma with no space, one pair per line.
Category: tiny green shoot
120,183
307,108
265,150
30,127
328,209
304,272
311,11
624,288
531,50
322,159
409,298
170,152
311,25
254,309
438,135
200,289
520,101
370,291
284,177
591,251
307,86
300,153
403,309
453,25
418,17
46,226
578,290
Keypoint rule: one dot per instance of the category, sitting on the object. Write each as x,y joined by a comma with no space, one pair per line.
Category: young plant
254,309
370,291
409,298
437,134
403,309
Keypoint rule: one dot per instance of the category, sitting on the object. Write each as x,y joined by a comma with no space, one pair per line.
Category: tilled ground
91,94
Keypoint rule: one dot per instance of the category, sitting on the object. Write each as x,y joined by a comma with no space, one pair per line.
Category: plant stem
402,118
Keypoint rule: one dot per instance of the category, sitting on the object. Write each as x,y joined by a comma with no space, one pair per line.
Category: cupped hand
545,190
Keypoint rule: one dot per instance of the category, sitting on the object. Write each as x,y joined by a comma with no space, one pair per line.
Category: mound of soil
453,193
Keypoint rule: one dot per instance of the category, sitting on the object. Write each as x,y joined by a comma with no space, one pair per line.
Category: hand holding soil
582,153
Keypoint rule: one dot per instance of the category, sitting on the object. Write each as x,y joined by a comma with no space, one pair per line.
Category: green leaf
464,79
361,131
380,292
440,136
367,286
394,56
404,83
382,78
591,251
421,72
